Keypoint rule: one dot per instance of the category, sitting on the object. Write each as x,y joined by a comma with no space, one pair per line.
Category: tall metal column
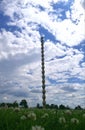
43,73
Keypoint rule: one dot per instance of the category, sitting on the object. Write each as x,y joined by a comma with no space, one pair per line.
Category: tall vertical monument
43,73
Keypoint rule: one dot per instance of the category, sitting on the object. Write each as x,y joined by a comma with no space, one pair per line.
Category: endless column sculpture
43,72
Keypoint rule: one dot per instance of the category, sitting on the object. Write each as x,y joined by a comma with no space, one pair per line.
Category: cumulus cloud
20,49
83,3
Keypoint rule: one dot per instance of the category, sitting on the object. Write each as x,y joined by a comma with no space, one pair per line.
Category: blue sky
21,25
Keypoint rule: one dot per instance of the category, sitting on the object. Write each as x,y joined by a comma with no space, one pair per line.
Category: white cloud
65,31
83,3
20,50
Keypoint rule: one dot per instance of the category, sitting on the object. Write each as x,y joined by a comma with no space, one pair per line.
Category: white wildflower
32,116
6,106
17,109
37,128
54,112
23,117
74,121
62,120
68,112
45,115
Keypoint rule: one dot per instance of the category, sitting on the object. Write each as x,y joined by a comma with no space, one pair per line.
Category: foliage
41,119
23,103
14,104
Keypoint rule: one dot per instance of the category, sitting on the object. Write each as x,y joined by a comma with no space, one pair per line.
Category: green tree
15,104
38,105
23,103
62,107
78,107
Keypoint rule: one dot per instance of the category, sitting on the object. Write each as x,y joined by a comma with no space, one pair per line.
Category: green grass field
31,119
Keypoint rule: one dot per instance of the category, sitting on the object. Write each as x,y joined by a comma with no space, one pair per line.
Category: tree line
53,106
23,104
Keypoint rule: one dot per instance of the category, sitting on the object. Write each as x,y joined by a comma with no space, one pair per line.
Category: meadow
41,119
